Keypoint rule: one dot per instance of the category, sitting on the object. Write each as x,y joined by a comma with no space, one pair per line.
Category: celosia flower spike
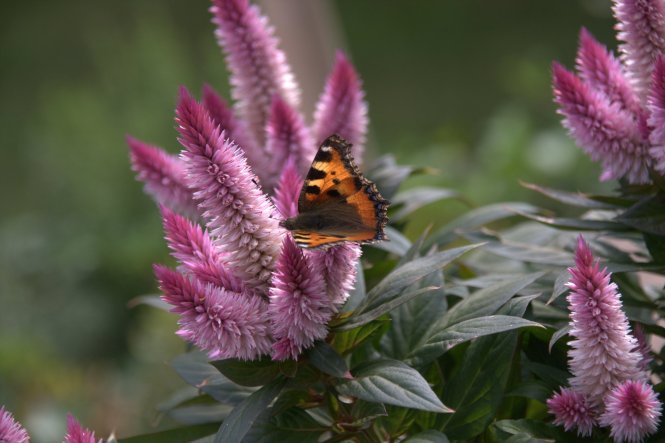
572,411
605,131
235,129
641,26
194,249
163,176
643,348
236,210
288,136
342,109
656,106
78,434
259,70
220,322
299,306
602,354
10,429
632,410
338,265
288,189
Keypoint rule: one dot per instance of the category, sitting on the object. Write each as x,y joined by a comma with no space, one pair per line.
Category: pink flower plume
236,210
342,108
632,410
339,266
259,70
220,322
163,176
288,189
572,411
656,106
299,306
602,354
10,429
78,434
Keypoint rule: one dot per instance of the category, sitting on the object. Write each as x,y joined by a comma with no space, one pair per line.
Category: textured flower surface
632,411
78,434
572,411
614,108
11,431
242,287
603,351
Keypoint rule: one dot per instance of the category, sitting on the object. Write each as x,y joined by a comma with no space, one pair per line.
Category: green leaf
364,412
392,382
532,389
415,198
529,253
479,217
569,198
345,341
149,300
535,431
387,306
195,369
461,332
557,335
358,293
292,426
406,275
396,244
243,416
647,215
323,357
248,373
182,434
429,436
577,224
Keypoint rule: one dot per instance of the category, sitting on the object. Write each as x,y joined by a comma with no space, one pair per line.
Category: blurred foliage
462,87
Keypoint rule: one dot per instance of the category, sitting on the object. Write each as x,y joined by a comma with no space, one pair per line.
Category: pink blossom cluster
609,384
242,287
613,107
11,430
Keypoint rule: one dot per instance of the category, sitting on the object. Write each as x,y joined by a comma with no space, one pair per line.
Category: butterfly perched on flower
337,204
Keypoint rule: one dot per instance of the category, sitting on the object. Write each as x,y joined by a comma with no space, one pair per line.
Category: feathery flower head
632,410
77,433
242,287
11,431
603,351
571,410
643,347
613,108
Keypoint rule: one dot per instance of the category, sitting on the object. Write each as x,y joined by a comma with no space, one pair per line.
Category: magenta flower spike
572,411
643,348
338,264
78,434
656,106
259,69
288,137
602,354
299,306
236,210
632,410
342,109
163,176
288,189
641,29
194,249
605,131
223,323
10,429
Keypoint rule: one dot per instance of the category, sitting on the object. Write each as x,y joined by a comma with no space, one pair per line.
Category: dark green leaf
461,332
415,198
392,382
429,436
292,426
364,411
569,198
344,341
183,434
532,389
557,335
647,215
408,274
382,309
559,285
357,294
248,373
530,254
396,244
536,430
323,357
243,416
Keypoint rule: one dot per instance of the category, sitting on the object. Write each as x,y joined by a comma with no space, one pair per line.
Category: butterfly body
337,203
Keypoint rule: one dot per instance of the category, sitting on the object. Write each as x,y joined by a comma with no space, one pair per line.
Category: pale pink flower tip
78,434
632,410
602,354
572,411
11,431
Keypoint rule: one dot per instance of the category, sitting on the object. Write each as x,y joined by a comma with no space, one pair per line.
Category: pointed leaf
578,224
292,426
248,373
557,335
415,198
429,436
569,198
392,382
324,358
345,341
397,243
647,215
243,416
176,435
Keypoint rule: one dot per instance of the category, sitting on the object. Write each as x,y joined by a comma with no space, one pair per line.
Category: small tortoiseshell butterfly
337,204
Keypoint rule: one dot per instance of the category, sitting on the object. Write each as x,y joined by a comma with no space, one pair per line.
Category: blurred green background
460,86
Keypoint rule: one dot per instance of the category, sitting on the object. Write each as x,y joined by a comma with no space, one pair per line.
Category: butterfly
337,204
